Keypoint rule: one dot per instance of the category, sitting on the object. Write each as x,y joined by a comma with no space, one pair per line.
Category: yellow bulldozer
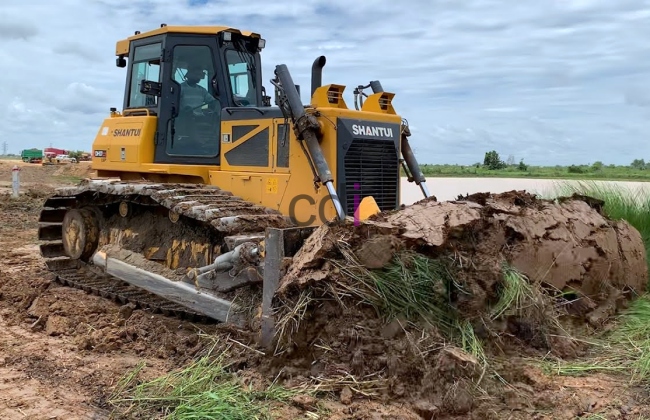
204,187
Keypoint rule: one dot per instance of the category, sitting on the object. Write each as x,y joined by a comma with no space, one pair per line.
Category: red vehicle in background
52,151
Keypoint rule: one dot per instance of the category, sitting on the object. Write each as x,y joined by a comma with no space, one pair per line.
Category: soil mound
567,245
407,304
79,170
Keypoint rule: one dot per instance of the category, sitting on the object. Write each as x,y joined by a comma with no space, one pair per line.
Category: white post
15,172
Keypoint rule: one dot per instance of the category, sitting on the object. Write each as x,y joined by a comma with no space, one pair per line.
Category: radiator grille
374,166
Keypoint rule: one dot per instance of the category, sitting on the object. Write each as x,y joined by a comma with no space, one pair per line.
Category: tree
575,169
597,166
638,164
511,160
522,166
77,155
492,161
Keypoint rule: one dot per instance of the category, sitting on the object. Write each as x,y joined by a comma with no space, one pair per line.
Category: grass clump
633,336
202,390
517,294
418,287
413,286
624,350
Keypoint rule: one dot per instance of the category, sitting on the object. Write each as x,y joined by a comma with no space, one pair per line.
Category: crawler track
207,209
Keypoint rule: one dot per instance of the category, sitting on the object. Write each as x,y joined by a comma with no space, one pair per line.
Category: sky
552,82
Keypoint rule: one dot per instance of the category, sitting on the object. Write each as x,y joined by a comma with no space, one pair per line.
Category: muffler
317,73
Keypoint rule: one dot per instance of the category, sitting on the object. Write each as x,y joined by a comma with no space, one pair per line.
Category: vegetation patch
625,350
493,166
204,389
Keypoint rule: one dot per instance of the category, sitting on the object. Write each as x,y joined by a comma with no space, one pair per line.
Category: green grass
625,350
67,179
411,286
202,390
516,293
419,288
414,286
609,172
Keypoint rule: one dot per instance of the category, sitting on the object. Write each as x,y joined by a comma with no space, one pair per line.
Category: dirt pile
24,210
408,304
566,245
78,170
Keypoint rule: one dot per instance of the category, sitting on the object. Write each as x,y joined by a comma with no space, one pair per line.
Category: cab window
146,66
241,72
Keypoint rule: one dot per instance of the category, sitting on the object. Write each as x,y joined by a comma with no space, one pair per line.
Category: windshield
241,70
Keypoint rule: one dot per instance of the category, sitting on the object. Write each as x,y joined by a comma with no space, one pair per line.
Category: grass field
593,172
588,172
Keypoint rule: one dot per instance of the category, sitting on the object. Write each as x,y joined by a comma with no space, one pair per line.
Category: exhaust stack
317,73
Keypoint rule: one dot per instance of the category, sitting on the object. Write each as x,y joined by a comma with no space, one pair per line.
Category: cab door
190,134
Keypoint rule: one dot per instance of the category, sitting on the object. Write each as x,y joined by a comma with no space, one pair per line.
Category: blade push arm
306,128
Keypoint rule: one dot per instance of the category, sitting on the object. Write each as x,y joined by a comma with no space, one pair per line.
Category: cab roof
122,47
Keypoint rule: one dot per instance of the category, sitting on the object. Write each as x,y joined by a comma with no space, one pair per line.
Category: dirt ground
62,351
35,174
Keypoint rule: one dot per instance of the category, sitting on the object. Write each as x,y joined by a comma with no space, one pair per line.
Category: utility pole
4,148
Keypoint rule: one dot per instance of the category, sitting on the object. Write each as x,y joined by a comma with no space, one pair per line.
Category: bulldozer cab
188,78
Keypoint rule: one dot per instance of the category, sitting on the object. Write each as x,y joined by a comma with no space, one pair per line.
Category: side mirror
148,87
266,100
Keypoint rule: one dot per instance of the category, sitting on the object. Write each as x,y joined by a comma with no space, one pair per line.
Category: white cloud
552,82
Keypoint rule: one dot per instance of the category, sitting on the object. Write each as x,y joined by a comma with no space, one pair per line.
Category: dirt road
62,351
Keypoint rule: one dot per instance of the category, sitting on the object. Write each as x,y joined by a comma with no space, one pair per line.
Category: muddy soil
569,254
62,353
62,350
